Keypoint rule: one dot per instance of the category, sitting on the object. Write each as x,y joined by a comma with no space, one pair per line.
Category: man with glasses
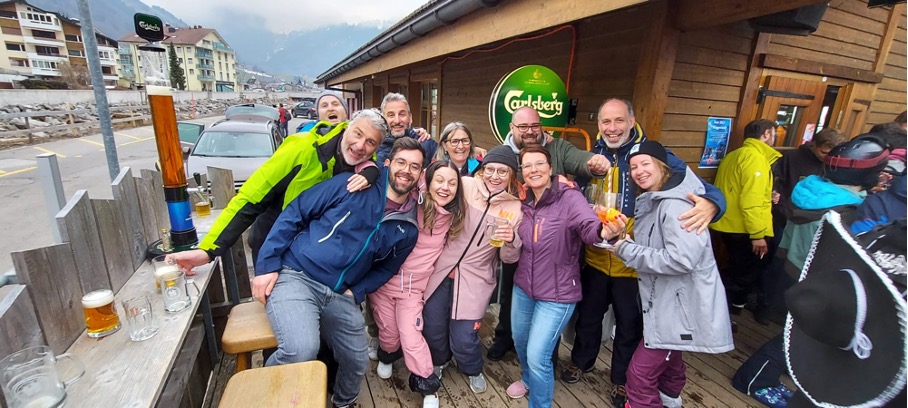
327,250
396,110
526,129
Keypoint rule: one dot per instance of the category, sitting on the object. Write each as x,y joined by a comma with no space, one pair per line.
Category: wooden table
299,385
122,373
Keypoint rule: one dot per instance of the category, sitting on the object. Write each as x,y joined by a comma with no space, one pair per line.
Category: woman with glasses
557,221
464,279
457,147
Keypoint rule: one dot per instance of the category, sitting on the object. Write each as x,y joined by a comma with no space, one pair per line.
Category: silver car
235,144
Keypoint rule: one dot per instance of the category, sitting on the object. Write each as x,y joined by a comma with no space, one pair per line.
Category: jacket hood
817,193
689,184
509,141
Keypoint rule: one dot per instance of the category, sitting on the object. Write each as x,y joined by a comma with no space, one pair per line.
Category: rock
38,134
35,123
19,123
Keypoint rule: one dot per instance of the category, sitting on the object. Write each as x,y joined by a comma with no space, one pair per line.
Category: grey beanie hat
342,101
501,154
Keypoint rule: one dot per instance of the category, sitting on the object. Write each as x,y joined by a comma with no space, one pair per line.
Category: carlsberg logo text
149,27
546,109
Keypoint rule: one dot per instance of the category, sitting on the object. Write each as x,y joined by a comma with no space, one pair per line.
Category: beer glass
139,314
203,208
492,228
101,318
30,377
175,289
607,209
162,267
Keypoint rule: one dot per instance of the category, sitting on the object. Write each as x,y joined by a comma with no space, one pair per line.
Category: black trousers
451,338
763,369
506,286
745,272
600,292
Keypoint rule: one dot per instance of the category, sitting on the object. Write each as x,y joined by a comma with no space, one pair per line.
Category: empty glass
140,318
175,289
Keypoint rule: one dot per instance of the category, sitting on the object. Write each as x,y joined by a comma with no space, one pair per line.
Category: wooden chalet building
680,62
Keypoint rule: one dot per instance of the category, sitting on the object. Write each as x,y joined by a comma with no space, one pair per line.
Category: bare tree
76,76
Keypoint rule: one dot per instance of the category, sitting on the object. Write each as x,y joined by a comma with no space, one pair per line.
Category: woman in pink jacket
397,306
465,273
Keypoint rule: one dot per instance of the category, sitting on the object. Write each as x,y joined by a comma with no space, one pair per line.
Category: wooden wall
604,66
709,74
889,99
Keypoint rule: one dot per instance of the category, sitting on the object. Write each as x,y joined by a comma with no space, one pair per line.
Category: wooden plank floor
708,377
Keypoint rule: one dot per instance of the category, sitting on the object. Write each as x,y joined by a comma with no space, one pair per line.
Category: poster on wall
718,131
535,86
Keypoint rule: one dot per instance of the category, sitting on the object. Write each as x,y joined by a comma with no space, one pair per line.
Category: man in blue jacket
326,251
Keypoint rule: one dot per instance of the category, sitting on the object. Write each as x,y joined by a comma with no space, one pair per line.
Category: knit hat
342,101
501,154
653,149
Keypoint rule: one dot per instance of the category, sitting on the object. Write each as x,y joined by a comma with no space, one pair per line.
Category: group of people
409,246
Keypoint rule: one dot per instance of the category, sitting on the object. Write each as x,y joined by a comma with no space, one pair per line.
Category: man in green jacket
745,176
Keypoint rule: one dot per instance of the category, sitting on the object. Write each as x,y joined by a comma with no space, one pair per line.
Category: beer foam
162,270
158,90
97,298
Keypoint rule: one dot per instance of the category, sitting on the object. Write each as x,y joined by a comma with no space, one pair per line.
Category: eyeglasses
413,167
500,171
531,166
524,128
459,142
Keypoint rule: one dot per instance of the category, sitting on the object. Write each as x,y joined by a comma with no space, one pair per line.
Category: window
44,64
49,51
188,49
206,42
44,34
73,38
180,60
10,31
18,62
104,55
191,71
8,14
41,18
189,60
15,47
76,53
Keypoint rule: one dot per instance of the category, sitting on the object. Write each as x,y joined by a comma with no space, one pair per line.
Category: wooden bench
297,385
247,330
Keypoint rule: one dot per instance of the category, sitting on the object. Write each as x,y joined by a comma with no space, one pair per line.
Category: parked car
305,109
252,112
189,133
239,145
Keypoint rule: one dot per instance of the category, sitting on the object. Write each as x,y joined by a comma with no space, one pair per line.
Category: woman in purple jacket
557,221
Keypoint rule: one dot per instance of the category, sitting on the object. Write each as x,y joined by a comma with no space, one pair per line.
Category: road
83,165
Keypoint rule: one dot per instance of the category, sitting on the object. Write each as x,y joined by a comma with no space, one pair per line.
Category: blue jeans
298,308
536,326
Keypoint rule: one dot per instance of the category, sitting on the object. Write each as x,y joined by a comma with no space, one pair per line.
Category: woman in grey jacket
682,296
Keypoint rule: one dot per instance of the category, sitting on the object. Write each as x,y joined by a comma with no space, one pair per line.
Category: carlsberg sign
535,86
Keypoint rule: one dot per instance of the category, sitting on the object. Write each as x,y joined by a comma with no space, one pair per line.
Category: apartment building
209,64
37,43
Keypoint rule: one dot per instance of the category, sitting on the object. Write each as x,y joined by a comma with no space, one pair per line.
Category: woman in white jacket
681,294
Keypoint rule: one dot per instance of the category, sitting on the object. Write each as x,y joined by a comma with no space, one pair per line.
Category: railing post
54,198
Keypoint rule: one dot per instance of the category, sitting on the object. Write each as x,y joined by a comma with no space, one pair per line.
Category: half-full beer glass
101,317
175,289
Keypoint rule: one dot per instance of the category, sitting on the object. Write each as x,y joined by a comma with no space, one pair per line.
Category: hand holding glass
497,226
607,209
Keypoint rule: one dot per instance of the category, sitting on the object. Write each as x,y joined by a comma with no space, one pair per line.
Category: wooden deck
708,377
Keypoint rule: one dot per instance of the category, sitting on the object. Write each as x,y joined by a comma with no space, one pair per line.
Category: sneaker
373,349
787,393
771,397
670,402
499,348
735,310
384,370
517,390
618,396
572,374
430,401
478,383
439,370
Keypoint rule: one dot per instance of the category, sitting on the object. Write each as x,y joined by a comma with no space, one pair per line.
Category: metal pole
97,84
54,198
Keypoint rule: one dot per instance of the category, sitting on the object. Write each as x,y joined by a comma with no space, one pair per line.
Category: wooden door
793,105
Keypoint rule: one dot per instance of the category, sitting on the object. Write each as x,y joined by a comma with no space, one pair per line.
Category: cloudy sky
282,16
